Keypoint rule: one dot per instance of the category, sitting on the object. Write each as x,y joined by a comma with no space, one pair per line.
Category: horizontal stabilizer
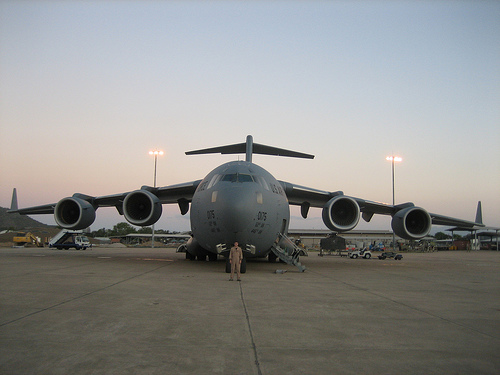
251,148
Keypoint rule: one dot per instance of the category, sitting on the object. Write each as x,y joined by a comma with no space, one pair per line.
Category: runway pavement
150,311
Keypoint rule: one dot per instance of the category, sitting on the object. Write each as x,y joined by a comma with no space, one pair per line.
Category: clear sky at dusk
87,88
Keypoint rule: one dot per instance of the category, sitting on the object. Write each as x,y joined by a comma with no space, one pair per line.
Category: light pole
393,159
155,153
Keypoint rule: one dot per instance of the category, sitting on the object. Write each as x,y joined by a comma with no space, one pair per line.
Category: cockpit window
244,178
214,180
230,177
262,182
238,177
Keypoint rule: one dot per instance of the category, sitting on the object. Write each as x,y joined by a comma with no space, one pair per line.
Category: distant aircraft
240,201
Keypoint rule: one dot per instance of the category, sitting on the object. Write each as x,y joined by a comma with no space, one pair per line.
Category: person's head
236,243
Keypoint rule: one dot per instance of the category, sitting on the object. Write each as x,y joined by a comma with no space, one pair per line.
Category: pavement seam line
254,347
80,296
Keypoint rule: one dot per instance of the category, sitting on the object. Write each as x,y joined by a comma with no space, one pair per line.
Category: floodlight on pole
154,153
393,159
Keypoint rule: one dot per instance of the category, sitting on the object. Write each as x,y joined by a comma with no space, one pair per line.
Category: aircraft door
283,227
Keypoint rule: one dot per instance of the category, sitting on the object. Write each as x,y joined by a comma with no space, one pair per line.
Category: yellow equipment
21,239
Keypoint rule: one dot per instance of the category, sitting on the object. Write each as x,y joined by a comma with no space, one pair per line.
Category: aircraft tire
190,256
212,257
243,268
228,266
272,257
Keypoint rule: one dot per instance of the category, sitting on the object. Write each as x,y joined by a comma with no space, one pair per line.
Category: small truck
364,253
67,239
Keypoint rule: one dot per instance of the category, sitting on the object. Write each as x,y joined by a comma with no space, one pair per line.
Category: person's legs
233,268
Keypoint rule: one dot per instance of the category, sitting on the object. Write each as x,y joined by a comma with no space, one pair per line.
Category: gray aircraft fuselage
239,201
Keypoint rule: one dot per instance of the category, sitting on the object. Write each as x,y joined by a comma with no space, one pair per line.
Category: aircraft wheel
243,265
272,257
190,256
201,257
212,257
228,266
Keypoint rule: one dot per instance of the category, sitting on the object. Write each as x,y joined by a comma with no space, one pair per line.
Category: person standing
235,258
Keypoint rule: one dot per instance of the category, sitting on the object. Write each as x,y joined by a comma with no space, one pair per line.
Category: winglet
479,213
13,203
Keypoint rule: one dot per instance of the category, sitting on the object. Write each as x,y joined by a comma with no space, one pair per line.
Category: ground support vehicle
332,243
390,254
67,239
21,239
364,253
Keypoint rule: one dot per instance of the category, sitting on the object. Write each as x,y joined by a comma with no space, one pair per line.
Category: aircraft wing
179,193
308,197
446,220
37,210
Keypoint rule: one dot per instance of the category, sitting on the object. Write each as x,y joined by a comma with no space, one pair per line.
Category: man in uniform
235,258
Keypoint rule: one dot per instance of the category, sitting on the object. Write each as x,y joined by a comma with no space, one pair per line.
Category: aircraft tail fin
13,203
250,148
479,213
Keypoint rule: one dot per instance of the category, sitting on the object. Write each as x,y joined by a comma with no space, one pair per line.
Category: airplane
240,201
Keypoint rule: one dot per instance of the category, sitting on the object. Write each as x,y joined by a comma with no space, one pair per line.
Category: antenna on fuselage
249,148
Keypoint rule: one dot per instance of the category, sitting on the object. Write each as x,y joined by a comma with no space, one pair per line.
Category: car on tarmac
364,253
390,254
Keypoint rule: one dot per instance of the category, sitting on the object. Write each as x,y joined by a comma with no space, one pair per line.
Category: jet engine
74,213
341,213
142,208
411,223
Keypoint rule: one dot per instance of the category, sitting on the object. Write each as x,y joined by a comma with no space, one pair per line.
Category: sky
87,88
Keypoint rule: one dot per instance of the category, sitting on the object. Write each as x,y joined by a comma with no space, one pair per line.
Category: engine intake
74,213
142,208
412,223
341,214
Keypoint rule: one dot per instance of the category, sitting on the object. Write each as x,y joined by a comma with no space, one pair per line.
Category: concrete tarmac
150,311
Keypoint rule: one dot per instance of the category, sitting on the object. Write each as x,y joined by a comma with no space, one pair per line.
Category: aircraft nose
238,210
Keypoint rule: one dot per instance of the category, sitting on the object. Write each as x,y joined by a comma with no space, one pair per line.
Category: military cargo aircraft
241,201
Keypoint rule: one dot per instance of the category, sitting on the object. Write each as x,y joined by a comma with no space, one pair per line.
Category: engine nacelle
411,223
74,213
142,208
341,213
